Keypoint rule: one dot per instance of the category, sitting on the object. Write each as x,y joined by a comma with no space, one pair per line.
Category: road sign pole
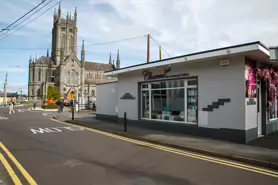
72,105
72,110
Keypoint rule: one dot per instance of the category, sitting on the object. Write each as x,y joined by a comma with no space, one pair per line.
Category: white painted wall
128,83
107,101
251,115
214,82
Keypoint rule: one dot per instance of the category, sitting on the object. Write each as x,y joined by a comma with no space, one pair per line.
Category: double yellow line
183,153
11,172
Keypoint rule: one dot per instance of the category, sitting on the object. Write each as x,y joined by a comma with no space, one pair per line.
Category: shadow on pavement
270,141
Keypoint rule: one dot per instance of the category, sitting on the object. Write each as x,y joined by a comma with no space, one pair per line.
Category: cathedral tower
64,35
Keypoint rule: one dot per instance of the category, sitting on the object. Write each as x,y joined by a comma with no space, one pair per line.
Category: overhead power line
6,33
30,21
7,28
160,46
94,44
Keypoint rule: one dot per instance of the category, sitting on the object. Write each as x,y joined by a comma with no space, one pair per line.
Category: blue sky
180,26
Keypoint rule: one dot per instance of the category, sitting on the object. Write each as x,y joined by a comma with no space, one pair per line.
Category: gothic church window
39,75
63,41
46,75
76,78
71,43
68,77
72,79
52,75
33,75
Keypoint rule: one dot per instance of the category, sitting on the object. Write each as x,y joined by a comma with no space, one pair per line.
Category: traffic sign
71,96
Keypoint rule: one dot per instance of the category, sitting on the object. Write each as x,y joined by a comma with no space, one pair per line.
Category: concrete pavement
56,153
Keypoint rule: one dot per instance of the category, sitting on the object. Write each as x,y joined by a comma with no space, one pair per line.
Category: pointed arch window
39,74
71,43
72,79
63,42
46,75
77,78
68,77
33,75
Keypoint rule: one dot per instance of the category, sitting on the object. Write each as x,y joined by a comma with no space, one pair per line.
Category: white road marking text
54,129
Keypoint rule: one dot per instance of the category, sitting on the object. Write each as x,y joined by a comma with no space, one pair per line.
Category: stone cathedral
63,69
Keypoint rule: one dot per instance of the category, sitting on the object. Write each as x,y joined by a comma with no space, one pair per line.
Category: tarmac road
56,153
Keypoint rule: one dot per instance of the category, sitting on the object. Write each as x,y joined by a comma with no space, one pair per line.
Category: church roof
44,60
98,66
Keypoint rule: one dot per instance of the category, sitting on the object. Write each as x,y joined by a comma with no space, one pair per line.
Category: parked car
67,103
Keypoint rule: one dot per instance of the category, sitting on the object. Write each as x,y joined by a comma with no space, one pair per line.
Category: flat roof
235,49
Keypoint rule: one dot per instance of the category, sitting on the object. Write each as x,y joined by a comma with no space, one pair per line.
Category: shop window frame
185,87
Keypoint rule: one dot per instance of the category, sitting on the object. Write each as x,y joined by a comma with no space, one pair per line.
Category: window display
172,100
192,105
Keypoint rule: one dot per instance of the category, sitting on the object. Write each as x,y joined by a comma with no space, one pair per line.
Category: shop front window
174,100
145,104
273,114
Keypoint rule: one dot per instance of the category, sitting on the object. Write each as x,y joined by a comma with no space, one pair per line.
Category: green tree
52,93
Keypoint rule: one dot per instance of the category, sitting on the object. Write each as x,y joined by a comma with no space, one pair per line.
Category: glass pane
145,104
145,86
167,104
192,82
192,105
156,85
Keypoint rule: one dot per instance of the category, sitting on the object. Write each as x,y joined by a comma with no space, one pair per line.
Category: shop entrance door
259,109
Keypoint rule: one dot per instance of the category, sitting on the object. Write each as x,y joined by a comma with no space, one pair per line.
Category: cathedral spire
110,59
30,59
83,52
59,10
118,63
75,15
75,12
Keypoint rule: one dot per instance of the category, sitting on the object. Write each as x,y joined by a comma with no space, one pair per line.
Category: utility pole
160,53
148,48
5,90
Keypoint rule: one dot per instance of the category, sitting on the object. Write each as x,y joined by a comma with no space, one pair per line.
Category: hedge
51,106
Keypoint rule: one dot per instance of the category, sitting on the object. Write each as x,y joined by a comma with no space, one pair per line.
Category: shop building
212,94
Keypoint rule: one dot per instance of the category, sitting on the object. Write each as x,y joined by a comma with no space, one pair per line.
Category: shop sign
148,75
251,101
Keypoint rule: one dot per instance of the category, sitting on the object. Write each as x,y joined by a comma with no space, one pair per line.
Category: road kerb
246,160
11,172
18,165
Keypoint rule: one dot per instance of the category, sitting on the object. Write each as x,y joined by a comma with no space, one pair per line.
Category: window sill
273,119
170,121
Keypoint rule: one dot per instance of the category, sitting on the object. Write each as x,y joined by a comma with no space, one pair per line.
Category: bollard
72,111
125,122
